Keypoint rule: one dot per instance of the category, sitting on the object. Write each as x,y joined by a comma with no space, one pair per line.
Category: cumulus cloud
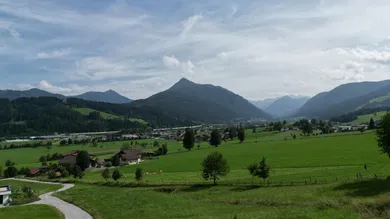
185,68
51,88
252,48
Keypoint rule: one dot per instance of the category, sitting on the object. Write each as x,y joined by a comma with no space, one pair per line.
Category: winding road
69,210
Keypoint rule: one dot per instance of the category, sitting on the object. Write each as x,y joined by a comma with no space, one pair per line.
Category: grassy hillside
31,212
366,118
380,99
86,111
217,202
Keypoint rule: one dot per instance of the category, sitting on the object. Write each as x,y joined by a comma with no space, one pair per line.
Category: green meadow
366,118
31,212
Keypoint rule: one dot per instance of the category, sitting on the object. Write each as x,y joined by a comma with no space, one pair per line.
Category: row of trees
116,175
215,136
26,145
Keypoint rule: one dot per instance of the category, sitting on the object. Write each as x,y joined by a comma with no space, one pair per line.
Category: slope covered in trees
201,103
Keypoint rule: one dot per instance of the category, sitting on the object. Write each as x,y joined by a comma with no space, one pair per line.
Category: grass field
365,199
366,118
31,212
380,99
86,111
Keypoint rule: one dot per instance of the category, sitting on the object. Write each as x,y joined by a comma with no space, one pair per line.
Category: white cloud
54,54
253,48
51,88
185,68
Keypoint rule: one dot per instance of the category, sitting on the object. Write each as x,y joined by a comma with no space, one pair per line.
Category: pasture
31,212
366,118
87,111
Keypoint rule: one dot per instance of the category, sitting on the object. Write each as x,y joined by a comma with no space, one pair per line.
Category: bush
107,164
10,172
138,174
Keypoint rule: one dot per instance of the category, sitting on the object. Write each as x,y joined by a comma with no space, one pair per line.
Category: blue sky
258,49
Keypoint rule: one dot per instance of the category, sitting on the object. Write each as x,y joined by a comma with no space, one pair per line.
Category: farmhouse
130,156
34,171
345,128
5,193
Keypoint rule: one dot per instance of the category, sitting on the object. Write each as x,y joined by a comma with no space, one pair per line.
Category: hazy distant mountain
109,96
286,106
263,104
203,103
343,99
15,94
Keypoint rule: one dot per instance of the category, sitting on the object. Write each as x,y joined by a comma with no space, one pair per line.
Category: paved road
69,210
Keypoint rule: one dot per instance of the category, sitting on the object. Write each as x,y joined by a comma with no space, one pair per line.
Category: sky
258,49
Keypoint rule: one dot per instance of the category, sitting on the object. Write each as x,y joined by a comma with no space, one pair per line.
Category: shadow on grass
245,188
196,187
366,188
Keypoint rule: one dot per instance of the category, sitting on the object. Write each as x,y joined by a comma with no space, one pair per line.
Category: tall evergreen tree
371,124
215,138
189,139
241,134
116,175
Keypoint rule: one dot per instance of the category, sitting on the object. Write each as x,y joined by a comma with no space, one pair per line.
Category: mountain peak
182,83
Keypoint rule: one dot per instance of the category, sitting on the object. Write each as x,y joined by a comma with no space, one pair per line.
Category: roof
73,152
130,154
34,171
58,174
68,160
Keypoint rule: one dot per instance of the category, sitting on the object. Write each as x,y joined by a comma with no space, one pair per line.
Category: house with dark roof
68,161
130,156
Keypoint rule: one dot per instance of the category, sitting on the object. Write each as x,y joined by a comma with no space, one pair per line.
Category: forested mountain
46,115
202,103
15,94
286,106
343,99
109,96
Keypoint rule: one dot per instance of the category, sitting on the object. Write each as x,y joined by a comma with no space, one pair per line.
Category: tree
263,171
254,130
232,132
241,134
116,161
371,124
214,166
83,160
138,174
189,139
116,175
284,122
77,172
63,142
215,138
64,173
1,171
125,146
70,141
306,127
9,163
10,172
252,168
164,148
42,159
156,144
106,174
383,135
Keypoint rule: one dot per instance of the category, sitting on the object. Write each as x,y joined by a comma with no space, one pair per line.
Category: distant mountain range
347,98
109,96
202,103
282,106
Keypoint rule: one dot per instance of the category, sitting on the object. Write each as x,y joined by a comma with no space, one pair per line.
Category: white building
5,196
